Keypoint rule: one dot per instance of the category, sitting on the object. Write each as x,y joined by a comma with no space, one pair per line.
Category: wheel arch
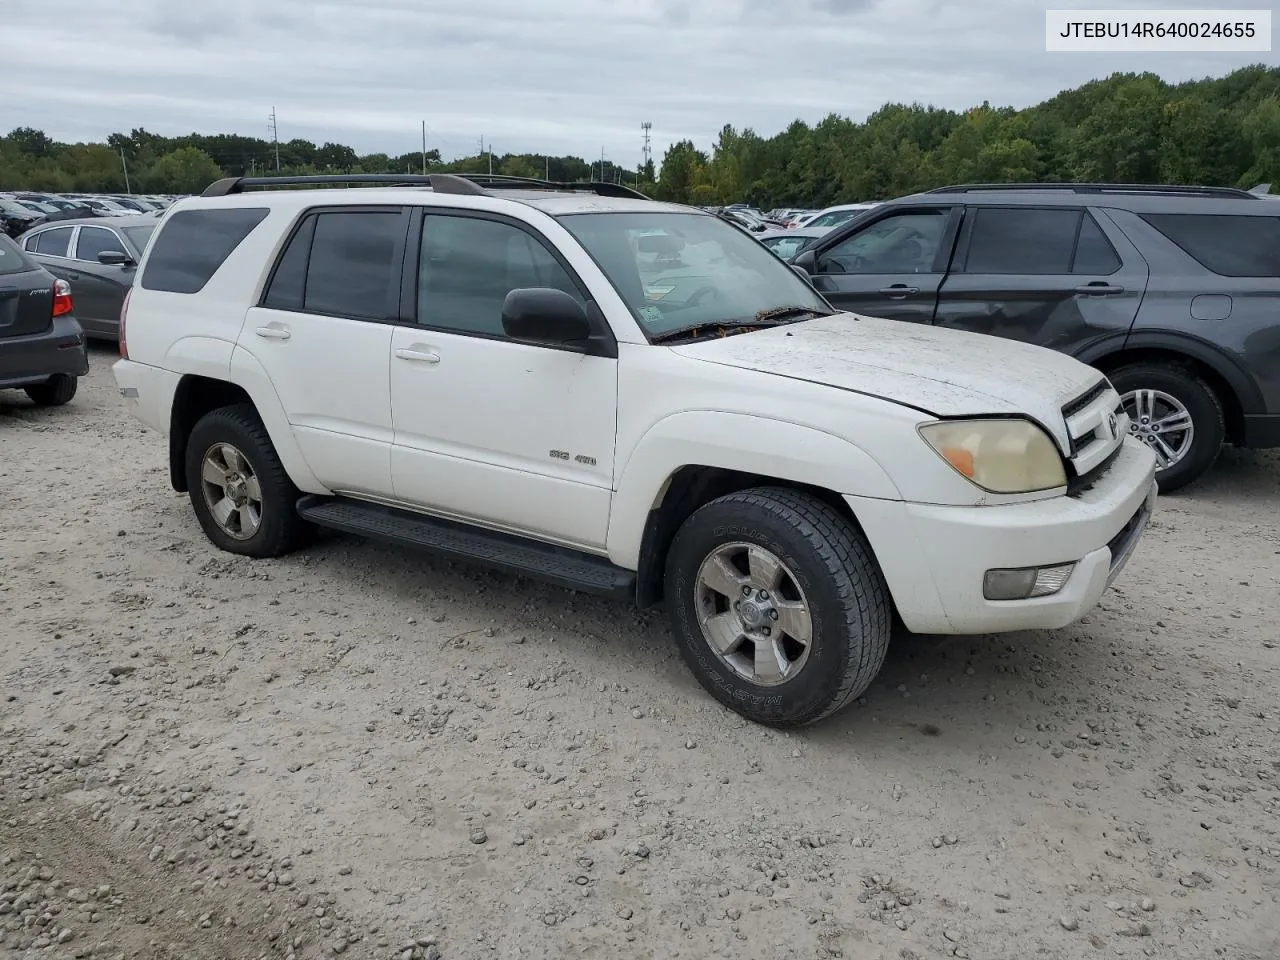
197,395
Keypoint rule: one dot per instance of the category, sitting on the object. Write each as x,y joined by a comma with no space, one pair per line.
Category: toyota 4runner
573,382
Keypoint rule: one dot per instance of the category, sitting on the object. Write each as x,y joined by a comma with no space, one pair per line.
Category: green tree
185,170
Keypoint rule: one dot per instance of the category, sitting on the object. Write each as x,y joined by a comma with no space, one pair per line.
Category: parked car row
22,210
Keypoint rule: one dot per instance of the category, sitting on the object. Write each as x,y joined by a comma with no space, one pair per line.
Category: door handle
898,290
273,333
1099,289
421,356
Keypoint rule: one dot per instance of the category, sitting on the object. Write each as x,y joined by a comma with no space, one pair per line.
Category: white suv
627,397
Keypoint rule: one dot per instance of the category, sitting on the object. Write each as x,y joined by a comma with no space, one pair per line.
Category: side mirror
114,258
547,316
803,274
806,262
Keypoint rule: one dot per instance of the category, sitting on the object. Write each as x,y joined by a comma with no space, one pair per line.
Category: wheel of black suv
1175,413
243,498
54,392
777,605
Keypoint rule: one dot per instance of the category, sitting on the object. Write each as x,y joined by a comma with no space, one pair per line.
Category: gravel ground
364,751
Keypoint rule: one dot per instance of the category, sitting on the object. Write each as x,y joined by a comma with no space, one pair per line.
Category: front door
323,335
99,288
890,267
1044,275
515,436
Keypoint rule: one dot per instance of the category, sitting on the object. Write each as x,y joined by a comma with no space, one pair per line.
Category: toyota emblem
1111,424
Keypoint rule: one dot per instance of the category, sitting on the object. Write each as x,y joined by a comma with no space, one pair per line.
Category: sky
564,77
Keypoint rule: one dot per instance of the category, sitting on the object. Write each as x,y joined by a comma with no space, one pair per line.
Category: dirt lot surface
359,750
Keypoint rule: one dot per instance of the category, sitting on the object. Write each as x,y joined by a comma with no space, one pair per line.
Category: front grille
1096,425
1086,398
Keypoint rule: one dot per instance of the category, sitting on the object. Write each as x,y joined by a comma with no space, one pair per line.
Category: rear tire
239,489
1173,391
54,392
770,565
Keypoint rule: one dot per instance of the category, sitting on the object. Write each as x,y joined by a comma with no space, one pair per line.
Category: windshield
676,270
139,236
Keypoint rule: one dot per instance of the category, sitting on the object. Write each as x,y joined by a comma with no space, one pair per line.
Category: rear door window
193,244
1229,245
51,243
1022,241
342,264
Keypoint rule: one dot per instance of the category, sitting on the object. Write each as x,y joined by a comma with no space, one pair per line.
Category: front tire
777,605
1177,414
54,392
240,492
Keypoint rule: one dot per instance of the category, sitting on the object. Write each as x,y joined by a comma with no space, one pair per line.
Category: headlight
1000,456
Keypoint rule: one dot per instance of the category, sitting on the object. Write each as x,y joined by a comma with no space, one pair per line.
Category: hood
946,373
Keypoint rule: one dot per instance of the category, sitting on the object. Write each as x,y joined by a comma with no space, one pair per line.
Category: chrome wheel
1162,422
753,614
232,491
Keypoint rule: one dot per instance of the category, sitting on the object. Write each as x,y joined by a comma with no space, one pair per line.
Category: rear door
1048,275
890,266
323,334
51,248
26,293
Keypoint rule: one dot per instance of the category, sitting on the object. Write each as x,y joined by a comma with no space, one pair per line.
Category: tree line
1129,127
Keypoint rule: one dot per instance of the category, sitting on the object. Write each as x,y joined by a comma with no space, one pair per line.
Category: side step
530,558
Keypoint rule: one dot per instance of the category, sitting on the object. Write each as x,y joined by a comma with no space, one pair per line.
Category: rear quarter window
12,259
193,244
1229,245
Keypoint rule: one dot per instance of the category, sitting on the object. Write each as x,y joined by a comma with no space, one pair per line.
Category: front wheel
1177,415
777,605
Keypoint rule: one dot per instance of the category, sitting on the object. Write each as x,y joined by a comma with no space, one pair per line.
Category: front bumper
934,558
30,360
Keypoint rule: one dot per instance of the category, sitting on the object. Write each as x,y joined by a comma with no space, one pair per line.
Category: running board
528,558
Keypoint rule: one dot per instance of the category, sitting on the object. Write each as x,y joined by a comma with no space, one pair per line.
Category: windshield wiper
783,314
773,317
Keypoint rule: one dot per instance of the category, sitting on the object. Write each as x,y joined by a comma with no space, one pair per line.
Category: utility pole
547,174
275,137
648,151
602,164
124,165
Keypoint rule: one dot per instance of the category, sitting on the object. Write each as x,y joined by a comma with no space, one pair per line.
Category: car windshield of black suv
682,271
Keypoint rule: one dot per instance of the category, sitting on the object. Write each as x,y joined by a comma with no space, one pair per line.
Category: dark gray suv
1173,292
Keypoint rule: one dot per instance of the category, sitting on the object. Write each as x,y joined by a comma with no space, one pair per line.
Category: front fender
776,448
247,373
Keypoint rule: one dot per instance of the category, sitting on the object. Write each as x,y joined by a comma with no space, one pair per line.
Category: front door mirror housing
545,315
806,261
114,258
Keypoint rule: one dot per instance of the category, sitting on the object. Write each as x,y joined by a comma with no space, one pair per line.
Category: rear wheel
241,494
777,605
54,392
1177,415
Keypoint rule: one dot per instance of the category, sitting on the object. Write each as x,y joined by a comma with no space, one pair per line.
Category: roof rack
1153,188
475,184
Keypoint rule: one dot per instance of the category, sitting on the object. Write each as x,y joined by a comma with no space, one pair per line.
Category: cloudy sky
569,76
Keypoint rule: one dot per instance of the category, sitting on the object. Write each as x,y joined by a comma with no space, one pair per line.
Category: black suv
1173,292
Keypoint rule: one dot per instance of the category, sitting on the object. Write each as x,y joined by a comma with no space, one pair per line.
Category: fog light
1025,582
